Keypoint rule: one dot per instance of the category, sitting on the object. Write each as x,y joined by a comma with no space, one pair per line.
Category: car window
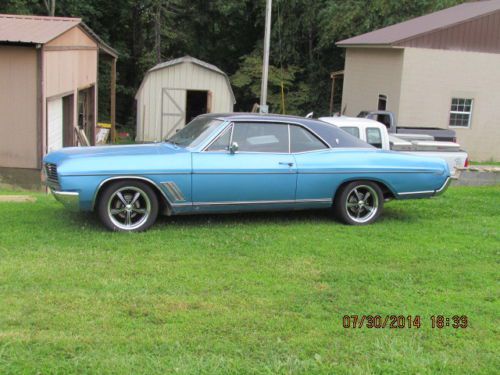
374,137
261,137
302,140
352,130
222,142
195,132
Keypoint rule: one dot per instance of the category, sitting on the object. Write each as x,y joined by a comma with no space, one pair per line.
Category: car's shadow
91,221
267,217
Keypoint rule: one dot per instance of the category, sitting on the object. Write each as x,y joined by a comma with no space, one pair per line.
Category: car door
313,156
261,171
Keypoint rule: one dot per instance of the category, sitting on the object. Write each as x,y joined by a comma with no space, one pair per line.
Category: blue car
240,162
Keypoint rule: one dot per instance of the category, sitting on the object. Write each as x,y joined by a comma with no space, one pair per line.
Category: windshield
195,132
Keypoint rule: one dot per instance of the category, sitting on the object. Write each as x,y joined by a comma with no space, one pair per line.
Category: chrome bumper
443,188
69,199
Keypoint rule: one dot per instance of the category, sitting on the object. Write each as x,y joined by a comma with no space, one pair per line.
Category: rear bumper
70,199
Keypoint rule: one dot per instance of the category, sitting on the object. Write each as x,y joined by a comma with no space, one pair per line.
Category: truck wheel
359,203
128,206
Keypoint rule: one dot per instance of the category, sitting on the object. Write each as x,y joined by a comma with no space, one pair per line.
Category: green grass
494,163
255,293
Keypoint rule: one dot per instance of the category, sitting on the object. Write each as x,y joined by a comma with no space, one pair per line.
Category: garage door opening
197,103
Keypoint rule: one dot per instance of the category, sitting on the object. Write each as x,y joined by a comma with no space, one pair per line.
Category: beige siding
18,107
70,64
165,90
432,77
368,73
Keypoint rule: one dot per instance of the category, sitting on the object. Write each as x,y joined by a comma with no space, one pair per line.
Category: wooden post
113,100
333,76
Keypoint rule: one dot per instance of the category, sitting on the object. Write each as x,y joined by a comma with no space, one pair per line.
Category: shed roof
41,30
191,60
415,27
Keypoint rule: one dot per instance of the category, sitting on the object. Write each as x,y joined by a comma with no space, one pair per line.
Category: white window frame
461,113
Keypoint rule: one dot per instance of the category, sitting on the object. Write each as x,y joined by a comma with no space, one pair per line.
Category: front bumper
70,199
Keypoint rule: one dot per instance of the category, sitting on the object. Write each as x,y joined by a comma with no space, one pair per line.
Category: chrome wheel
362,203
129,208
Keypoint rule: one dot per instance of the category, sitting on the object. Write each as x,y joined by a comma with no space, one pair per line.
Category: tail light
454,139
466,162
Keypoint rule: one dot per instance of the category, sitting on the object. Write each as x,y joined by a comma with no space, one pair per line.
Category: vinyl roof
421,25
41,30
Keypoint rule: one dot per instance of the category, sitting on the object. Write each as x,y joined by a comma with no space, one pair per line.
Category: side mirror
233,148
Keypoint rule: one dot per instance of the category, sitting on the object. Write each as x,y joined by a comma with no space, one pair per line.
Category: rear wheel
128,206
359,203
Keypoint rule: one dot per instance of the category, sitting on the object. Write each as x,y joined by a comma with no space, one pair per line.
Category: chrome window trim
219,135
233,123
314,134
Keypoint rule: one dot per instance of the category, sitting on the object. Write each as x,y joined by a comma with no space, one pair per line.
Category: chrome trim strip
417,192
70,199
443,188
126,177
303,172
234,203
439,191
118,174
173,190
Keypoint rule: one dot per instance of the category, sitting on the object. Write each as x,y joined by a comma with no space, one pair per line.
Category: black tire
354,206
118,210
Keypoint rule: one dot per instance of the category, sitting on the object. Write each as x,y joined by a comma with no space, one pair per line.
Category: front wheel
359,203
128,206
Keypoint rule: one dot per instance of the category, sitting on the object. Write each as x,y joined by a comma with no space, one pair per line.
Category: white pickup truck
376,134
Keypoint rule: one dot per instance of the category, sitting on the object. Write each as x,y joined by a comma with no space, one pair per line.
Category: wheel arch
387,190
162,198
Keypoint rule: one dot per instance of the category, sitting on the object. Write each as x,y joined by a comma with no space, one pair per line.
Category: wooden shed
48,75
174,92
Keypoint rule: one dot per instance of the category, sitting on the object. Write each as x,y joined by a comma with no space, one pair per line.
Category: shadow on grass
90,221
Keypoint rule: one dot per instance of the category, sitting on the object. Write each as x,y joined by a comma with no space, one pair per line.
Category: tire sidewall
102,204
340,208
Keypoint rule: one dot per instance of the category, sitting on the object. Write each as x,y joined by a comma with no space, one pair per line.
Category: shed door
173,103
54,124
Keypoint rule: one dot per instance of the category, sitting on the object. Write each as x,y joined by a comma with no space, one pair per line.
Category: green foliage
229,34
247,81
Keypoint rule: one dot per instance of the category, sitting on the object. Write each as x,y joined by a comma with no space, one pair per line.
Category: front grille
52,179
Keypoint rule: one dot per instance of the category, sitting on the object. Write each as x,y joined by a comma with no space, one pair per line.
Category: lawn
254,293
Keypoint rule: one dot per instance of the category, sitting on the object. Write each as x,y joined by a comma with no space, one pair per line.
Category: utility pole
265,64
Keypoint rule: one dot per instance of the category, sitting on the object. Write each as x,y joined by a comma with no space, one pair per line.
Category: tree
51,7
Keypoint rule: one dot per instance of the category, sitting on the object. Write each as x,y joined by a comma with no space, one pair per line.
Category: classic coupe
240,162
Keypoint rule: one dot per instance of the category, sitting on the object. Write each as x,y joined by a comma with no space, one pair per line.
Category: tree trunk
158,33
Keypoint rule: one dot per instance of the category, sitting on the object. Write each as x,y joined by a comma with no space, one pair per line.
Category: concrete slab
17,198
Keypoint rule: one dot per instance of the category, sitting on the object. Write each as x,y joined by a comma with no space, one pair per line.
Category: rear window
335,136
351,130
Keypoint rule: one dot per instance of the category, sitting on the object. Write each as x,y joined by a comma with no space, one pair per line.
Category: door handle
286,163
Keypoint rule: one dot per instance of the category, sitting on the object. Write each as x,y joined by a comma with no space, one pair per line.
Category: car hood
144,158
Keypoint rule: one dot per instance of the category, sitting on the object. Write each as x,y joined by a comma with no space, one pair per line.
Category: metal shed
174,92
48,90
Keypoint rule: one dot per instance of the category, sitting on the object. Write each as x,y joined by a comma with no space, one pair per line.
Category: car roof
332,135
255,116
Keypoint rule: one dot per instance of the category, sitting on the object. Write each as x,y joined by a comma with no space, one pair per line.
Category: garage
54,124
